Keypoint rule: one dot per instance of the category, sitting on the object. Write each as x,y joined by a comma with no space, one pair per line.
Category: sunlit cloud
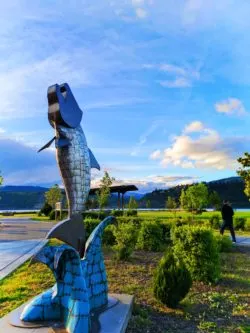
231,106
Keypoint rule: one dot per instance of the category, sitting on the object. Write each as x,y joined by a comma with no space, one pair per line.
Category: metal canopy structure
120,189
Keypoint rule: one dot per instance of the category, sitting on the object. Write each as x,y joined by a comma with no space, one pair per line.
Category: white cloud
144,137
195,126
230,106
141,13
152,182
155,154
207,151
177,83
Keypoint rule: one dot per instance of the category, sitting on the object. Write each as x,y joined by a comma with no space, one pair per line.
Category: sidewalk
15,253
242,240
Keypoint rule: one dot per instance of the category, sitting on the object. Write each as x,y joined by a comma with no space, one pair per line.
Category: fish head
63,109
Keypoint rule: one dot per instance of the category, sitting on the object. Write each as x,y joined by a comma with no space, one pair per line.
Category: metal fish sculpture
74,159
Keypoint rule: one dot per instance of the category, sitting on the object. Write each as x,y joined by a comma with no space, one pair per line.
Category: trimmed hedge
108,237
116,212
131,212
215,221
150,237
172,280
198,249
95,214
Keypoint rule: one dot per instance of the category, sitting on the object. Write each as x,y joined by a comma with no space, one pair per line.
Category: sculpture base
114,319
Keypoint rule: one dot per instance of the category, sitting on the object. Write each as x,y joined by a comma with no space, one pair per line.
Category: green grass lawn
221,308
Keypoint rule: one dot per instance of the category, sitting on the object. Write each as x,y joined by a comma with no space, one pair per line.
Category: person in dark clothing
227,216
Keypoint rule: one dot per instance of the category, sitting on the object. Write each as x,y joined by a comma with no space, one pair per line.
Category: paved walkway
242,240
20,238
15,253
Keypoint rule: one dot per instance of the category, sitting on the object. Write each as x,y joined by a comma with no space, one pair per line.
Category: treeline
231,189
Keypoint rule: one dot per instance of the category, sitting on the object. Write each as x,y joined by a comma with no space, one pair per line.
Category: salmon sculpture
81,290
74,159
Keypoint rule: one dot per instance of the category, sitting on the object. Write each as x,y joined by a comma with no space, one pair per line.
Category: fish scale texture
81,284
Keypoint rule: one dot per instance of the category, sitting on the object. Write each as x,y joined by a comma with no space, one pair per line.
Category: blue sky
164,86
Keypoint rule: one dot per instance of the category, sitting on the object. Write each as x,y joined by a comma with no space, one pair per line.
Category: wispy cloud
231,106
177,83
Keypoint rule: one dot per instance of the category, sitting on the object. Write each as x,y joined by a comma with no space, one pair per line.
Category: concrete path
15,253
23,228
20,238
242,240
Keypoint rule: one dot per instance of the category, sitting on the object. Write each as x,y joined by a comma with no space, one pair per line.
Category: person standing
227,216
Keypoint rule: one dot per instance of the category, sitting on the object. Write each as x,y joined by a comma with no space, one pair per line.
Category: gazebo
120,189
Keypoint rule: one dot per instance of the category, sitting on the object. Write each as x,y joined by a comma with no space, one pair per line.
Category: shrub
215,221
172,280
166,231
150,237
126,237
108,237
116,212
224,243
240,223
52,215
90,225
46,209
131,212
95,214
197,247
247,226
136,221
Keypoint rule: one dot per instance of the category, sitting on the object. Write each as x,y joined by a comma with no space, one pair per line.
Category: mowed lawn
224,307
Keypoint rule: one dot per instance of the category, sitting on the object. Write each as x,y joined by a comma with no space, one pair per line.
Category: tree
215,200
183,199
244,172
104,192
132,203
53,196
1,180
197,196
148,204
171,203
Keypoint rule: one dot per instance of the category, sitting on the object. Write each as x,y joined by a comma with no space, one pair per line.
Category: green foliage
95,215
197,247
46,209
90,224
132,204
150,237
214,221
224,243
126,237
171,203
103,194
197,196
116,212
131,212
136,221
108,237
52,215
53,196
183,199
215,200
240,223
148,204
172,280
244,172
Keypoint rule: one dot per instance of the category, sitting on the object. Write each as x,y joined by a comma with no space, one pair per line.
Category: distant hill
228,188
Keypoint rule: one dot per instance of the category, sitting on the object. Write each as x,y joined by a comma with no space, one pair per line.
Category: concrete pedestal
114,320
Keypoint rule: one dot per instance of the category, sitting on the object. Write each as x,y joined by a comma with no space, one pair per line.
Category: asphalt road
23,229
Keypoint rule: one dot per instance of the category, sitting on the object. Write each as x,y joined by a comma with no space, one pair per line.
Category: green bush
52,215
108,237
240,223
247,226
198,249
46,209
172,280
224,243
90,224
126,237
131,212
136,221
95,214
166,231
215,221
116,212
150,237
